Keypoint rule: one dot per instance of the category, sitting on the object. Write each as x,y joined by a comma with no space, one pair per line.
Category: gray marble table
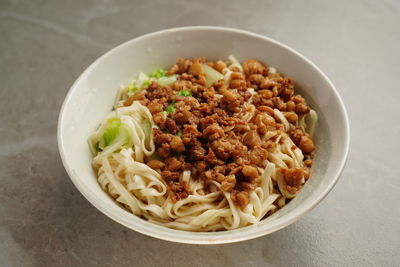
45,45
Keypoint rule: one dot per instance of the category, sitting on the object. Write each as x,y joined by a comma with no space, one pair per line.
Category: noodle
122,171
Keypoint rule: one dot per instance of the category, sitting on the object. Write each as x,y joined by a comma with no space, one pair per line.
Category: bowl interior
93,94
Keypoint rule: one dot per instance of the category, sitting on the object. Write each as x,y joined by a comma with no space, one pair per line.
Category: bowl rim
203,237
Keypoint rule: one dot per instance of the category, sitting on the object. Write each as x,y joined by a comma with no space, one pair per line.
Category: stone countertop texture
45,45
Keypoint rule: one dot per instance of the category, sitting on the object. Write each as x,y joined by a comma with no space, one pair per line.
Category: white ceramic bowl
92,95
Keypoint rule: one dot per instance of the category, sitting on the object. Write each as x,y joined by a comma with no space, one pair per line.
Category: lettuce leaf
184,93
111,132
211,75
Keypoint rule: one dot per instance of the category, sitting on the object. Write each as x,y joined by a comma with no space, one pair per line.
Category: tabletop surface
45,45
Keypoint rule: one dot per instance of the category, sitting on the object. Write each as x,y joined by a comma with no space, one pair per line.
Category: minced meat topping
207,130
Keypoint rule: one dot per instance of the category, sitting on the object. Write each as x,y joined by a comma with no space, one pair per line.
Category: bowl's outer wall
92,96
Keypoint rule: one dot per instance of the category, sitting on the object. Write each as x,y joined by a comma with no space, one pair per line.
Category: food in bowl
206,145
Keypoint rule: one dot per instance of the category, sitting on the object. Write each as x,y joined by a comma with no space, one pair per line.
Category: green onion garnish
184,93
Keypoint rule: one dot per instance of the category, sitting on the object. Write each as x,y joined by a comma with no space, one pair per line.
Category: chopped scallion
170,108
159,73
184,93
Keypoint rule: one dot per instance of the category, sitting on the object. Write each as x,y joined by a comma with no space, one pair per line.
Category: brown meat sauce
206,134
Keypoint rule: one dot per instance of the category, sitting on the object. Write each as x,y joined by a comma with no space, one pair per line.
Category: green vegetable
146,83
141,82
211,75
115,134
179,133
132,88
170,108
159,73
163,81
184,93
111,132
